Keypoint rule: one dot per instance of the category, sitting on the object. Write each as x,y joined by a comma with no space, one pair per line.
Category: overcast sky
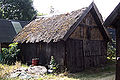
62,6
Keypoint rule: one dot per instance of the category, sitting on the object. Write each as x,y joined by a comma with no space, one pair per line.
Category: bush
52,66
111,51
9,56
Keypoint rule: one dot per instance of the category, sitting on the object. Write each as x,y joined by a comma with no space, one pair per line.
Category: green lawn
106,72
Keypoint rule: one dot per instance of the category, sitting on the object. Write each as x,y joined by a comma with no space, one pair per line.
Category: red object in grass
35,61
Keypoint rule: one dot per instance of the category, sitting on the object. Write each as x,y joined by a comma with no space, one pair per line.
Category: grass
106,72
6,69
102,73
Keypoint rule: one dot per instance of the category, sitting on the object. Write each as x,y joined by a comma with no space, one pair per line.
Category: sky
105,7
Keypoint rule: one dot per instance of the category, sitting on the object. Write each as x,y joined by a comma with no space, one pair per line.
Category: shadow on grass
107,70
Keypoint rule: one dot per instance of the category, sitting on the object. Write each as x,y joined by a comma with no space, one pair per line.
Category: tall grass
5,70
106,72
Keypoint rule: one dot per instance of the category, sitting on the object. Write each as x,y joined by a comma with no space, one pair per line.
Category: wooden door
74,55
92,53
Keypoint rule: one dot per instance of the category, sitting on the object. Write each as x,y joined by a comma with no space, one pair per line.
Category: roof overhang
113,18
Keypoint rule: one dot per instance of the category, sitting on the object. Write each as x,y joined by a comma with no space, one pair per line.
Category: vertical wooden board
95,47
95,61
88,32
98,60
117,51
74,55
79,55
76,33
44,50
88,62
29,51
70,58
67,54
103,60
59,52
62,52
96,34
5,45
81,32
42,53
87,47
85,33
89,20
38,48
103,48
0,48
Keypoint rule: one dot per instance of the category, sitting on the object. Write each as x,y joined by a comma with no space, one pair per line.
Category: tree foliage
17,9
9,55
111,51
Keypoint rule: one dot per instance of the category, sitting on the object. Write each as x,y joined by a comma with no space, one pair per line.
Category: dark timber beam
117,51
0,48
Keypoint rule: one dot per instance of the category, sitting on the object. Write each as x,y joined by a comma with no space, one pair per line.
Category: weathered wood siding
94,53
86,46
4,45
118,49
87,30
28,51
74,55
43,51
89,20
82,54
0,48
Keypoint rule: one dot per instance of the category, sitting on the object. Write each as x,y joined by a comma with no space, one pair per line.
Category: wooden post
118,53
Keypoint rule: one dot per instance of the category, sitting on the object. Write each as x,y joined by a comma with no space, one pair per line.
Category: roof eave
109,20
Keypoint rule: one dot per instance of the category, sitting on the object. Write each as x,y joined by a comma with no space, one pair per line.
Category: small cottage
77,40
8,30
113,21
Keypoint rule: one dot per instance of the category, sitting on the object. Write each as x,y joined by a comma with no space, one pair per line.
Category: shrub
52,66
9,55
111,51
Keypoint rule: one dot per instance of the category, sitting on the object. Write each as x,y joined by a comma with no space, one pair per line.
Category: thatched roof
49,28
58,27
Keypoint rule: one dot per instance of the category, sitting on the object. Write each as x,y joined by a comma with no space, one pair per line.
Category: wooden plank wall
0,48
94,53
43,51
56,49
82,54
89,20
5,45
87,30
118,50
28,52
94,47
74,53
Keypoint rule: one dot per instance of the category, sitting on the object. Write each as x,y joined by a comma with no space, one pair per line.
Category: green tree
17,9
